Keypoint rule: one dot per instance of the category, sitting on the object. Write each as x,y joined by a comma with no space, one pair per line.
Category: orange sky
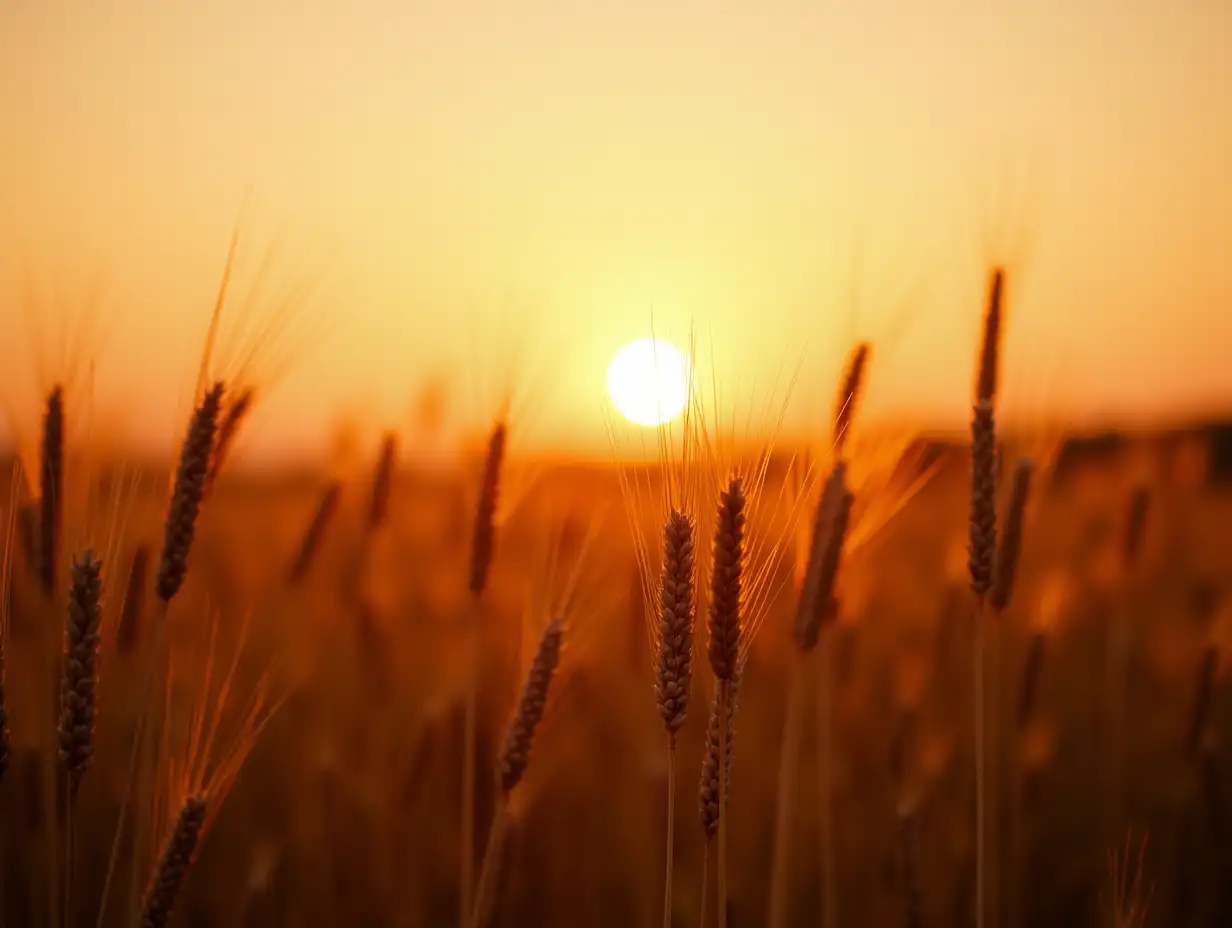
556,171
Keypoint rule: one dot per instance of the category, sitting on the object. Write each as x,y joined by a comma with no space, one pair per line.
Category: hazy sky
463,173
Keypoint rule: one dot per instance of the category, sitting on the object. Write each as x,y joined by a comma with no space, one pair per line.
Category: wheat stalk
382,481
512,762
674,668
327,508
229,425
483,546
498,862
1138,511
981,556
849,395
724,648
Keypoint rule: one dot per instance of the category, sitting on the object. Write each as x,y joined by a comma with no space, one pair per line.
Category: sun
648,381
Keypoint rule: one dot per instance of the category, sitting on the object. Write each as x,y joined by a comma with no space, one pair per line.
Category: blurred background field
347,811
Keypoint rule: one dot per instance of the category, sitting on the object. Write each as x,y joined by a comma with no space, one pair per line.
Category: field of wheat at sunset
616,465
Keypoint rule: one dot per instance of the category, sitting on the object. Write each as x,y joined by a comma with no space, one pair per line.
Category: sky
477,193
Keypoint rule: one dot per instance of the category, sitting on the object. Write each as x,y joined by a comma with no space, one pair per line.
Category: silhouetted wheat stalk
179,530
815,608
674,667
724,648
498,862
181,522
483,546
382,482
327,508
849,396
229,423
1121,631
513,761
78,689
981,555
715,780
163,891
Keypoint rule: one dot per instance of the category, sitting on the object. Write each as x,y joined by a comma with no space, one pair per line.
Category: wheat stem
721,868
789,760
669,865
825,777
980,785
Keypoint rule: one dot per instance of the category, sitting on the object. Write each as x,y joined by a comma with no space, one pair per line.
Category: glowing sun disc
648,381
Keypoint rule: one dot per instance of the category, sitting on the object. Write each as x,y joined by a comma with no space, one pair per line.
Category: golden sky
784,173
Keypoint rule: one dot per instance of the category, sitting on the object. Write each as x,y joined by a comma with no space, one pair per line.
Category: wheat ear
674,670
382,481
830,526
176,857
51,490
79,678
849,395
483,532
513,761
520,736
327,508
725,583
229,425
186,494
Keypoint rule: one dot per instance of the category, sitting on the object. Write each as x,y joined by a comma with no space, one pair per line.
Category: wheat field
439,696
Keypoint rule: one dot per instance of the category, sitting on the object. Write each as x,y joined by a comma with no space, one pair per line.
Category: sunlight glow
648,381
